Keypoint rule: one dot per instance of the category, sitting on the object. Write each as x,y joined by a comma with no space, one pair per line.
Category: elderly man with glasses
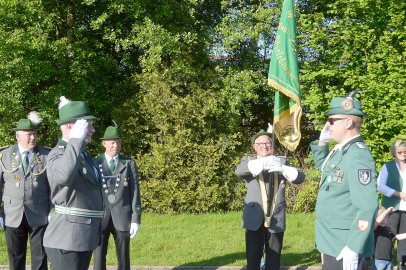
347,201
264,215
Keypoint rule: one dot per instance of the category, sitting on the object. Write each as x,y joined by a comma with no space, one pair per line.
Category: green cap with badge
31,123
260,133
70,111
112,132
346,105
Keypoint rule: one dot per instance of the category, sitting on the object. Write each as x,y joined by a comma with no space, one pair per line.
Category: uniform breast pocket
341,224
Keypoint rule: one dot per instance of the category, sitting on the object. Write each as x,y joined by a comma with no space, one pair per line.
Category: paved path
3,267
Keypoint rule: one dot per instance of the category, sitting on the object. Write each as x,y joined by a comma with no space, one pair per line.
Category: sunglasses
401,152
331,120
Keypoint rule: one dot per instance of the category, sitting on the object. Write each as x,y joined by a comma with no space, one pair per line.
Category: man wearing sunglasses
347,200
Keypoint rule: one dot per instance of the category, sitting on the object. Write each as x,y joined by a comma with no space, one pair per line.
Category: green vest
395,182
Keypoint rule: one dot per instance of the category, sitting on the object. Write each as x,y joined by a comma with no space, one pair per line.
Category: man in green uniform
122,200
347,201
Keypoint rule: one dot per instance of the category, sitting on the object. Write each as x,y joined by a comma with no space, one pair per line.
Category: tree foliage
358,44
186,81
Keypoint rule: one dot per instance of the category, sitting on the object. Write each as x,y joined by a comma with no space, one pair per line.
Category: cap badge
347,104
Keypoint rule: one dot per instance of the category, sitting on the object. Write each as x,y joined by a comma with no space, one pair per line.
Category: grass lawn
207,239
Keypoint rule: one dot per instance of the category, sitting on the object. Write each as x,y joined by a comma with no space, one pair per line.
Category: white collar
340,145
21,151
108,158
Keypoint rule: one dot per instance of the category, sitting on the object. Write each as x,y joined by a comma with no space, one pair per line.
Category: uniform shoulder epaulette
360,145
61,146
126,158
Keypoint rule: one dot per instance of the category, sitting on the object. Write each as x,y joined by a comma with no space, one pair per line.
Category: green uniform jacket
347,201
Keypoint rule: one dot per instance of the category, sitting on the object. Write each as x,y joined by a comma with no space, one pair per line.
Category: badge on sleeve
363,225
364,176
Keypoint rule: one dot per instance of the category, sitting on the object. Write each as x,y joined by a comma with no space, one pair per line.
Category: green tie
25,161
112,166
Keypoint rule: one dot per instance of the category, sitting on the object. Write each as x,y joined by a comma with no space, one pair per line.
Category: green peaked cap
73,111
111,133
30,123
25,124
346,105
260,133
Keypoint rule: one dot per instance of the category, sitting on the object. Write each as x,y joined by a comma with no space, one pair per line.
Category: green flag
284,77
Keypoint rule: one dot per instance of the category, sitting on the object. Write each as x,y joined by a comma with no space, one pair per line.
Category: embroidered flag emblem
363,225
364,176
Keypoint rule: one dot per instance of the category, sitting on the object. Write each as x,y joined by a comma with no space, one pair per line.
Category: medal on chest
109,186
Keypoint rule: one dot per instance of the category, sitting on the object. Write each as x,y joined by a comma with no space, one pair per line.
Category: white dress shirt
108,158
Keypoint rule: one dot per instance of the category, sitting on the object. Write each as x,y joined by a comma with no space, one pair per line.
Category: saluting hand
79,129
325,134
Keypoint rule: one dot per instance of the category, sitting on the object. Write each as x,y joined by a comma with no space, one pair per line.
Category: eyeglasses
401,152
332,120
263,144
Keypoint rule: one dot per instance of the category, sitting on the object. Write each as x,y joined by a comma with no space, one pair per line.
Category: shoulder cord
264,195
3,167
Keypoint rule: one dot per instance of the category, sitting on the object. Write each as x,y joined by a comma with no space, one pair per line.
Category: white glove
325,134
256,166
49,218
272,164
135,227
79,129
350,259
270,128
290,173
274,168
1,223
